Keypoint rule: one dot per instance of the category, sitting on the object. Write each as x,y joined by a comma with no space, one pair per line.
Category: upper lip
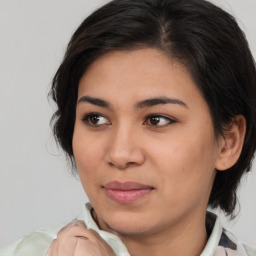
126,186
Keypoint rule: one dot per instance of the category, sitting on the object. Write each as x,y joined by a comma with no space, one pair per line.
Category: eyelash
169,120
87,120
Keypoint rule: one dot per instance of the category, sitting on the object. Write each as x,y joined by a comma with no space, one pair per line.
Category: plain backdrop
36,189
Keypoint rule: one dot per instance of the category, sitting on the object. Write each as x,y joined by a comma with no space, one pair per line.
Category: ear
231,143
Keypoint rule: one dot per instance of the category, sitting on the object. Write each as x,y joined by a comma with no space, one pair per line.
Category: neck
190,240
185,238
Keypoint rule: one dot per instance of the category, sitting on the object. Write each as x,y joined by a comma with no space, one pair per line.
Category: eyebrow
95,101
160,101
141,104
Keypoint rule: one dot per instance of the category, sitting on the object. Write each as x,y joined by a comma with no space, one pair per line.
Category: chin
128,225
131,230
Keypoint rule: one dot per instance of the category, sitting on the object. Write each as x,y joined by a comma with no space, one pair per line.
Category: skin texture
75,239
176,152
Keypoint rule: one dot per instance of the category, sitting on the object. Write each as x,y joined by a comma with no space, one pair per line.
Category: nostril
119,166
110,164
123,159
130,163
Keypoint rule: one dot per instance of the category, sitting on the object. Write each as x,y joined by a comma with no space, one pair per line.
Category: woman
156,110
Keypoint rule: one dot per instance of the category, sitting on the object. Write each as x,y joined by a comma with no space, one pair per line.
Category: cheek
88,154
185,165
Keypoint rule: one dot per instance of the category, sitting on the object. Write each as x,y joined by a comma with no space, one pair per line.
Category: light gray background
35,188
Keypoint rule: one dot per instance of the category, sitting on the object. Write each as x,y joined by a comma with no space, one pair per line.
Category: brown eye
95,120
155,120
158,120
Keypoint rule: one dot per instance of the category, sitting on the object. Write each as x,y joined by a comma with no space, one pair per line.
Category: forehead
137,74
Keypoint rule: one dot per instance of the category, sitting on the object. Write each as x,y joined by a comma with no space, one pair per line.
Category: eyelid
90,114
171,120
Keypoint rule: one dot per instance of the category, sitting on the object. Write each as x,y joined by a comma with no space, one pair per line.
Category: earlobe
231,143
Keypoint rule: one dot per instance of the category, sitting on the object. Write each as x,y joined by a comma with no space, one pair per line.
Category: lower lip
126,196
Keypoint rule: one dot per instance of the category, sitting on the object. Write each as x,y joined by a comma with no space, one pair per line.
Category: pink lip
127,192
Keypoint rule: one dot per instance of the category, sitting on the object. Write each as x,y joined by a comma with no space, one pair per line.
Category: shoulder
235,247
33,244
222,242
251,251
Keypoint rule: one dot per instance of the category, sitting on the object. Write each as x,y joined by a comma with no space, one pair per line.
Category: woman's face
143,143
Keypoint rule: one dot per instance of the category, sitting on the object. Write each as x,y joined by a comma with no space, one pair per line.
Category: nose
125,149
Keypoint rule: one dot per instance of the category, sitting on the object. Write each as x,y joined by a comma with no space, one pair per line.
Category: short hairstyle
203,37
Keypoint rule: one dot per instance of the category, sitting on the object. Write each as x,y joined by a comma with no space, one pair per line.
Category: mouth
126,192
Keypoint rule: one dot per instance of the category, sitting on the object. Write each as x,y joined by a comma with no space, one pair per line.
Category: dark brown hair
206,39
